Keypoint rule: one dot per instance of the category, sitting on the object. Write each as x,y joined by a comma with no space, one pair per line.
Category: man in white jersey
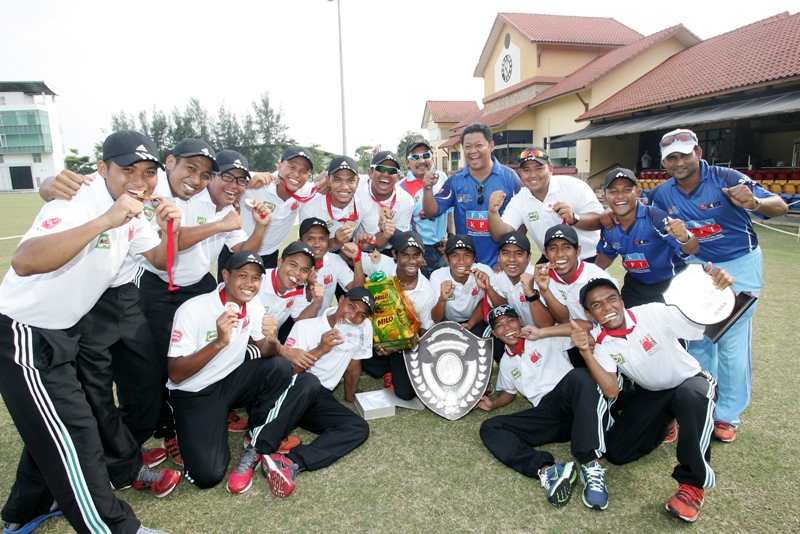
663,382
62,266
395,206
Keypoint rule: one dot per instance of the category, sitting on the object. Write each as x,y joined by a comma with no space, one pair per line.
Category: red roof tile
571,30
451,110
762,52
453,141
475,117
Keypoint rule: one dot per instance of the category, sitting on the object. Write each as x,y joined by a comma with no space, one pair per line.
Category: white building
30,135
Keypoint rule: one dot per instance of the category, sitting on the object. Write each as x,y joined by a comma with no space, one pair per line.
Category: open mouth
609,317
292,279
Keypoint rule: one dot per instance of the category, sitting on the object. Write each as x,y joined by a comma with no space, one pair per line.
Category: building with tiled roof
439,117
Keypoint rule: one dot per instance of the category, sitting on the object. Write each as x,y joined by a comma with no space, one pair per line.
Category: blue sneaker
558,480
30,526
595,494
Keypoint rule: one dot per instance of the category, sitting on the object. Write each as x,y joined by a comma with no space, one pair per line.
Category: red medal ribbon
300,199
519,348
378,202
293,293
353,216
170,255
620,332
242,312
554,275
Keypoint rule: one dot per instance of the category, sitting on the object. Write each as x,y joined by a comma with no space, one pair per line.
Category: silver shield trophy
450,369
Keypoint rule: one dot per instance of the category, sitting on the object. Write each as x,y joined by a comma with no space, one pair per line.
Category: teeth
292,279
608,317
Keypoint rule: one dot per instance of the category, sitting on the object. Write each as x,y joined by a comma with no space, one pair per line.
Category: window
563,154
509,144
454,157
712,143
1,159
444,162
37,158
2,101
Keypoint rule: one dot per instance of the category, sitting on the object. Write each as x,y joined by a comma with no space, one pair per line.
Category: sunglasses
681,136
535,153
424,155
228,177
384,168
480,193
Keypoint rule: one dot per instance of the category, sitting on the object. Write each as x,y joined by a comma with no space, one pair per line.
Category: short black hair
593,284
477,127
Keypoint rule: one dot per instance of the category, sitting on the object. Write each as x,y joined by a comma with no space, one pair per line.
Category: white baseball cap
680,140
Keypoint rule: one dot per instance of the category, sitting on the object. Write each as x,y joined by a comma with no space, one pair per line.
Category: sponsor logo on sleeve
290,341
176,336
536,356
649,344
211,335
49,224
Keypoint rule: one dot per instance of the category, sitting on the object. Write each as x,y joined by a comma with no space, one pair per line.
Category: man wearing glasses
716,204
468,191
547,201
419,159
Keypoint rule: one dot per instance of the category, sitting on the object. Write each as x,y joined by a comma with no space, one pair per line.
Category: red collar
242,312
554,275
518,350
353,216
293,293
620,332
300,199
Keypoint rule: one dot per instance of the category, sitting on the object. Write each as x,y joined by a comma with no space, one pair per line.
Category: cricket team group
111,291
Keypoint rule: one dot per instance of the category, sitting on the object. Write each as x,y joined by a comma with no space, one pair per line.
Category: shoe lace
147,475
544,479
247,460
594,476
689,494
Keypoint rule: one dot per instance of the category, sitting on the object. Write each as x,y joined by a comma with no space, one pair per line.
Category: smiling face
317,239
294,173
506,329
536,177
293,271
420,166
224,193
141,177
605,306
565,255
383,182
343,186
685,168
512,260
621,195
460,261
352,311
478,152
242,284
188,176
409,261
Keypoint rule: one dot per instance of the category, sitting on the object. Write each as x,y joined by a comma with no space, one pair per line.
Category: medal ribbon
242,312
353,216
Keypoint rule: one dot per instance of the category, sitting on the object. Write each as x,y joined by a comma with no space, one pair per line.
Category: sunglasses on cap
680,136
384,168
423,155
535,153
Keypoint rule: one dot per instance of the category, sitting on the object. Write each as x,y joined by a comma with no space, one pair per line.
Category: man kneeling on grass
663,382
567,406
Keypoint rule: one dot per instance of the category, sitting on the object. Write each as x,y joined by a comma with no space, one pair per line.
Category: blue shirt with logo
649,254
724,230
460,192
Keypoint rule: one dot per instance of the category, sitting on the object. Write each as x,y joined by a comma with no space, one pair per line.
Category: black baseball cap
189,148
562,231
362,294
384,155
242,258
594,283
310,223
499,311
416,144
459,241
342,162
298,247
515,238
230,159
535,153
298,152
404,240
128,147
619,172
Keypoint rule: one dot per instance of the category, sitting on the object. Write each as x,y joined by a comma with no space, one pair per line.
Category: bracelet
758,205
689,237
358,256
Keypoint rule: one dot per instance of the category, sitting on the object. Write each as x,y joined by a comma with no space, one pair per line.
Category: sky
105,57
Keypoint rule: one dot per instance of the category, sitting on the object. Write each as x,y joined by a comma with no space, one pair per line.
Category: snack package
395,323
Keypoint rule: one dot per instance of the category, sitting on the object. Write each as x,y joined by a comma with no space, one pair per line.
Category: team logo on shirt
289,303
649,344
703,228
294,206
618,359
672,210
103,241
521,297
201,220
635,261
478,221
640,242
266,310
328,279
49,224
290,341
710,205
563,293
474,291
176,336
245,322
535,356
463,198
130,233
533,216
270,205
148,213
211,335
516,373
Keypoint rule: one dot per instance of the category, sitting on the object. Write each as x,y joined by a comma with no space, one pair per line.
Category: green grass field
421,473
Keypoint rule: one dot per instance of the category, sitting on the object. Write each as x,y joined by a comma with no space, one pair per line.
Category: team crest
474,291
672,210
289,303
103,241
176,336
294,206
49,224
270,205
536,356
328,279
211,335
130,233
245,322
649,344
516,373
290,341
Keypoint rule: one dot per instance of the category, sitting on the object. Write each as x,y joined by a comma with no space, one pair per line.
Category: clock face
505,68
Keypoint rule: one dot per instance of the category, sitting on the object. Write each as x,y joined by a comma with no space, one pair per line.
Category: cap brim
225,168
214,164
130,159
301,156
683,148
243,263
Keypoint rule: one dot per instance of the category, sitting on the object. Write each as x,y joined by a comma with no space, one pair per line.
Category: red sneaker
160,483
280,473
724,432
153,457
236,423
171,445
672,433
288,443
242,475
686,502
387,381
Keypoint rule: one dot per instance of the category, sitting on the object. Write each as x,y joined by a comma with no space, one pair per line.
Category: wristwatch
533,298
576,218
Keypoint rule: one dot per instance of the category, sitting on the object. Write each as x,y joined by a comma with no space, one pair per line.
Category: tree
79,164
270,139
364,157
408,139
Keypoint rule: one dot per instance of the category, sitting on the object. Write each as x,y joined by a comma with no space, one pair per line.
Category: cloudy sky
105,57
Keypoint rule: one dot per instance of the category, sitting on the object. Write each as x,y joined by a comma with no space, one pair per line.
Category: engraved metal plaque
693,292
449,369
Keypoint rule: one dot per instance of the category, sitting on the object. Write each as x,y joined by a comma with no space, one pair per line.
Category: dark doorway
21,178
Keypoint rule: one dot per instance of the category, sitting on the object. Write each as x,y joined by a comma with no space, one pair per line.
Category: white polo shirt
364,215
401,204
334,270
537,216
330,368
281,306
58,299
466,297
570,294
514,294
284,213
195,326
536,370
651,354
372,263
423,297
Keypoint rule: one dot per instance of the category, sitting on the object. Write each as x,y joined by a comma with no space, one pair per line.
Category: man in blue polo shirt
652,244
468,191
716,204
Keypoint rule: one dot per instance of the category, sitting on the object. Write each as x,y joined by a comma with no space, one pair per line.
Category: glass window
37,158
1,159
454,157
563,154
